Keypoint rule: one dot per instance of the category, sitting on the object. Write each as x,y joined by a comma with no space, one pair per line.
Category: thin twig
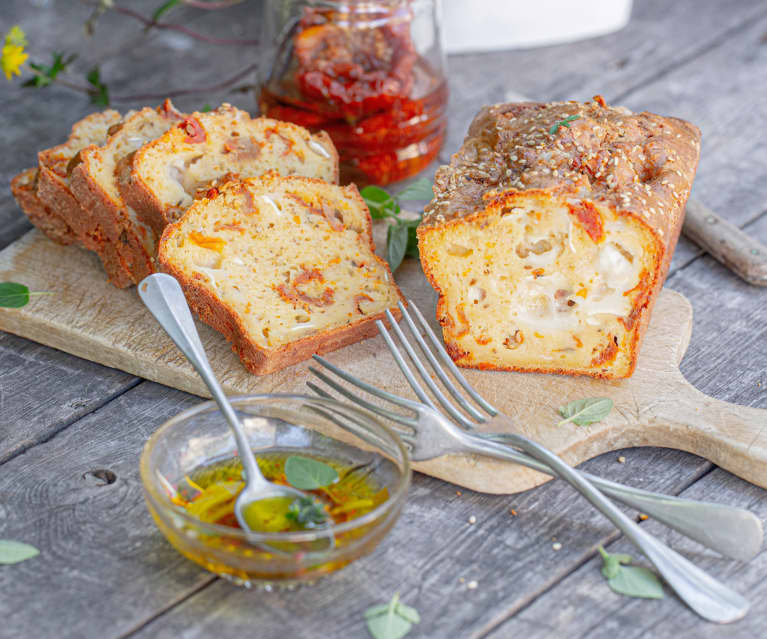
212,6
192,91
148,22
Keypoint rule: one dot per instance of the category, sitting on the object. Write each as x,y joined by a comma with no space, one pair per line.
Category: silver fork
431,434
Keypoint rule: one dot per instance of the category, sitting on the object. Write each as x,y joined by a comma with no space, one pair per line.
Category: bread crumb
472,585
621,460
472,520
556,546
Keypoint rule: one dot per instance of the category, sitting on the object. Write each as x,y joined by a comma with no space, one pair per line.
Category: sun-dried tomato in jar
356,70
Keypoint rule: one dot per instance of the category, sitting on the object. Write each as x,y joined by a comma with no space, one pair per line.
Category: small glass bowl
282,424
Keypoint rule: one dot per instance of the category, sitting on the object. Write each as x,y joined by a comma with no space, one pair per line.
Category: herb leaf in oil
305,473
391,621
586,411
631,581
307,512
13,552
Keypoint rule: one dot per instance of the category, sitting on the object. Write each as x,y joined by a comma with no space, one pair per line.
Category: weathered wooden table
105,570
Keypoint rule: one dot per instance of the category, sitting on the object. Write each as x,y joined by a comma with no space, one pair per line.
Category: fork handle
731,531
708,597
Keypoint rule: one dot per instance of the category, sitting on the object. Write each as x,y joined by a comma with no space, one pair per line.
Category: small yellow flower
13,57
16,36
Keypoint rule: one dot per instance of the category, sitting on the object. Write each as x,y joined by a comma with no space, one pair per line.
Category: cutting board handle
731,436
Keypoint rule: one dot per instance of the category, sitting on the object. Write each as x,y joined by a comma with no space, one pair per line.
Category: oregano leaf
396,245
421,189
391,621
13,295
306,473
12,552
631,581
586,411
380,202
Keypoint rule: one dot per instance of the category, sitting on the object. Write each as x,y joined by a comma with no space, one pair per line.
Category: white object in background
488,25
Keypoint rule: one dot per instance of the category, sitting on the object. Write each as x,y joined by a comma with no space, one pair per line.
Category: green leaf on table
205,108
380,202
307,512
586,411
100,92
631,581
421,189
12,552
305,473
396,245
391,621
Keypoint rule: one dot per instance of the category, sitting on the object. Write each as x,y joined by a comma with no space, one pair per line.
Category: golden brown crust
640,166
222,317
24,189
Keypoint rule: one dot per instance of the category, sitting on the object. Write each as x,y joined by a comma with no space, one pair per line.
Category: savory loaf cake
94,184
166,174
284,267
55,167
551,233
24,189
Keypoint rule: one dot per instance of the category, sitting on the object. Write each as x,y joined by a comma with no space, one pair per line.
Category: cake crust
598,164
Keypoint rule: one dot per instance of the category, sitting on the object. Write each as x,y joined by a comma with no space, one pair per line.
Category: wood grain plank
103,564
43,391
582,605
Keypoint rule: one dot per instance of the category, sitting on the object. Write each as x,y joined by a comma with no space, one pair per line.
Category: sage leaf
380,202
412,238
13,295
637,581
396,245
421,189
305,473
12,552
631,581
586,411
391,621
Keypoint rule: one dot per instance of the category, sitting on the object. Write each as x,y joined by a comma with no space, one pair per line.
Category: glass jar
370,73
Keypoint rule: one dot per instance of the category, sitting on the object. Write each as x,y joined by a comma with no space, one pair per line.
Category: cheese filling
534,285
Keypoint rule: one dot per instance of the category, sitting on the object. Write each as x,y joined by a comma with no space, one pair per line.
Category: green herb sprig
15,295
565,122
13,552
391,621
401,239
631,581
586,411
306,473
307,512
99,93
45,75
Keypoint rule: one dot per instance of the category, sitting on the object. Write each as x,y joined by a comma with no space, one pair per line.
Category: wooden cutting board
89,318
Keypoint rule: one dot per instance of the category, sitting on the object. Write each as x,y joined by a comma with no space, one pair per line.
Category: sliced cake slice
24,189
56,164
54,191
283,267
551,232
94,184
166,174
